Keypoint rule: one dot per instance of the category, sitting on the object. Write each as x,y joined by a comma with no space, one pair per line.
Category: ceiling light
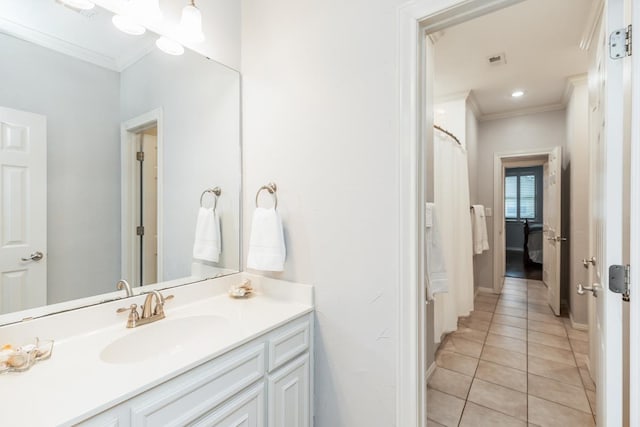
517,94
149,10
169,46
191,23
127,24
78,4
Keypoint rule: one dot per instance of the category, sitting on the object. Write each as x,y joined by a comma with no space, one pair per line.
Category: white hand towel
267,251
436,270
479,229
207,243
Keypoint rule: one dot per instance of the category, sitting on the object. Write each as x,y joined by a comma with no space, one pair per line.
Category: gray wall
530,132
83,162
201,103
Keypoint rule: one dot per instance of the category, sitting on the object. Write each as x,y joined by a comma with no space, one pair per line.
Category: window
520,197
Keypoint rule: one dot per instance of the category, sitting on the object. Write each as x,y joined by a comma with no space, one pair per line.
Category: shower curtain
451,198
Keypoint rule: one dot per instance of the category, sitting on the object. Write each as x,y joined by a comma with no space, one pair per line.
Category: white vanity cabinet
266,382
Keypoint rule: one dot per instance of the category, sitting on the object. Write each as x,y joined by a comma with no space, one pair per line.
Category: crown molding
522,112
572,82
472,102
591,26
455,96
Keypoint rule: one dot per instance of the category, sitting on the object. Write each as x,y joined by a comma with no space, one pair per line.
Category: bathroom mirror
107,149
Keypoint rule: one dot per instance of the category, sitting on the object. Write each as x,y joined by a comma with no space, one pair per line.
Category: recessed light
517,94
169,46
127,24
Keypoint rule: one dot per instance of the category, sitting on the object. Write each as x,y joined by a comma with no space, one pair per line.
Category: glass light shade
79,4
169,46
148,10
127,24
191,24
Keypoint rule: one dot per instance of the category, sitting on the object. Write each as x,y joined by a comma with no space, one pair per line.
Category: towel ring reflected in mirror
216,192
271,188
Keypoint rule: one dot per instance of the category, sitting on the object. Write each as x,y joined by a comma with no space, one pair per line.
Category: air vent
497,59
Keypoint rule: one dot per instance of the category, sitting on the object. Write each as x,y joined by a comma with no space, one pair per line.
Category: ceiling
87,35
540,40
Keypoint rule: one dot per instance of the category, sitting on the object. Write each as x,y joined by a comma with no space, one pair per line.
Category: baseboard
576,325
484,290
431,370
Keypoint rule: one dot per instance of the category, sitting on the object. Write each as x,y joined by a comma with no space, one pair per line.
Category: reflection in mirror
106,146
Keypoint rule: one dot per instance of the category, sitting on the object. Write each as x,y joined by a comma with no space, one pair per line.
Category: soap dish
24,357
244,290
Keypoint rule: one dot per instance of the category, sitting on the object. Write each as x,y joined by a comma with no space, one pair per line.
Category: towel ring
271,188
216,192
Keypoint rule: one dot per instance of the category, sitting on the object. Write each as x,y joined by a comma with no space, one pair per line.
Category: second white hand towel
267,251
207,243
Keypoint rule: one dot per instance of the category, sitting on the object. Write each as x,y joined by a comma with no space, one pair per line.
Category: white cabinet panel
292,341
247,410
289,395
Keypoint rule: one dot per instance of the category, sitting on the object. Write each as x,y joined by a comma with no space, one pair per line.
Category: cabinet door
289,395
246,410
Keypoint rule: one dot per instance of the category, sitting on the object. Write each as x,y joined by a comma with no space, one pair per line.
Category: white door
23,210
553,235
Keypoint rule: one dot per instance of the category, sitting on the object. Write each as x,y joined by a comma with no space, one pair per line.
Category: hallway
511,362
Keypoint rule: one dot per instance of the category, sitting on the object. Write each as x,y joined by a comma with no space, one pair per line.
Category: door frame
128,131
416,19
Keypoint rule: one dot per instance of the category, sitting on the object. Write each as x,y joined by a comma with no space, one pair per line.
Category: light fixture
191,23
128,24
78,4
169,46
517,94
148,10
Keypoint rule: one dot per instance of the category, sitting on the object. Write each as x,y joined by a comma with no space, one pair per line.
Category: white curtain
451,199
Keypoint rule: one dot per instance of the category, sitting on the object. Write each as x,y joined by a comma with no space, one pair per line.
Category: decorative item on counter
18,359
241,291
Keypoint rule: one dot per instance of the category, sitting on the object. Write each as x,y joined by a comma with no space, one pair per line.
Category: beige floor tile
508,311
551,353
483,306
502,375
586,379
470,334
520,305
540,308
479,416
478,325
547,328
554,370
508,331
462,346
564,394
511,290
456,362
490,298
581,359
579,346
431,423
480,315
547,318
504,357
550,340
591,396
549,414
518,297
575,334
499,398
450,382
444,408
507,343
516,322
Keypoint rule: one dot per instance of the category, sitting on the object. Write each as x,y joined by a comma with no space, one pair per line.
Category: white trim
431,370
591,27
127,156
522,112
576,325
411,23
499,162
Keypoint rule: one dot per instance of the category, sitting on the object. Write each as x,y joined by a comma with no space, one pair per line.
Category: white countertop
75,384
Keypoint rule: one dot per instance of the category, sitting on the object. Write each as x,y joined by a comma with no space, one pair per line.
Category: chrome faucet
123,284
149,313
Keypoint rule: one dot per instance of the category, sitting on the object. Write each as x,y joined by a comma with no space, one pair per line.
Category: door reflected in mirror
106,146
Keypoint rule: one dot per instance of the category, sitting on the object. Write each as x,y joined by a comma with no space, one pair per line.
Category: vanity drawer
288,342
184,399
245,410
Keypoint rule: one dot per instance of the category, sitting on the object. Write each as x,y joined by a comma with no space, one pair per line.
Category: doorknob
561,239
582,289
36,256
591,261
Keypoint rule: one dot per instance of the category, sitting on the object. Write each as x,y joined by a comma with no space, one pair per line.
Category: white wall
578,147
83,160
201,132
471,141
520,133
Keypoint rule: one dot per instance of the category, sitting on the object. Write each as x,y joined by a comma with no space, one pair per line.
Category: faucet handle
159,308
133,314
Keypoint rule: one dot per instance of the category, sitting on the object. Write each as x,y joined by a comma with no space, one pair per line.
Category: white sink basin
164,337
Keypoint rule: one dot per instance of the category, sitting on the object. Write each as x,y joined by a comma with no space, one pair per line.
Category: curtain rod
447,133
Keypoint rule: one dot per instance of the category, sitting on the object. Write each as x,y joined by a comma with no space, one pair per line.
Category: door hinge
620,43
619,280
140,230
140,156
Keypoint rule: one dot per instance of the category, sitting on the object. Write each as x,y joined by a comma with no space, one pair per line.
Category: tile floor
512,363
